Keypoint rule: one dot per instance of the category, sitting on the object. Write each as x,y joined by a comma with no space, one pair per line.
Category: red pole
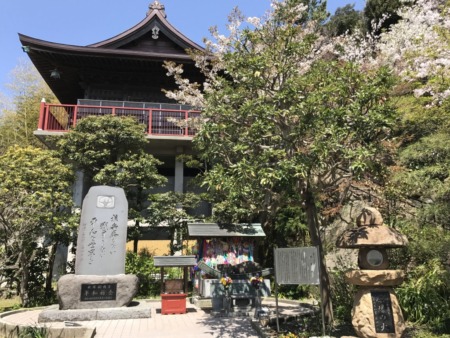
150,111
186,117
74,120
41,115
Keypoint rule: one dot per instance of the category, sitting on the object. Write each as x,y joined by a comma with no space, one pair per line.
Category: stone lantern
376,312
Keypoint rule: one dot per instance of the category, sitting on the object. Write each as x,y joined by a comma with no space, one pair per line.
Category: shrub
141,265
33,332
342,295
425,297
293,291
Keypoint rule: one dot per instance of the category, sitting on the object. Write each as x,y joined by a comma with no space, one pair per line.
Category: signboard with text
98,292
297,266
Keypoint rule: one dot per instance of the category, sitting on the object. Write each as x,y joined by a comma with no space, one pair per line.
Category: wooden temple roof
133,56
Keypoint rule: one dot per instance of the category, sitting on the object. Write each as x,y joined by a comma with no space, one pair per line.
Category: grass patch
9,303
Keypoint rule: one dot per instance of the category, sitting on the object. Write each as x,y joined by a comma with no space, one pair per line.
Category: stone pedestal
376,313
374,277
91,292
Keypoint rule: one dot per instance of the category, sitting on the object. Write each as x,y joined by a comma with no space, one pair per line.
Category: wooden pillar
185,287
162,279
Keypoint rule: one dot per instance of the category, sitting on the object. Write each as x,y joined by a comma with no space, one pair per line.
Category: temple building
122,76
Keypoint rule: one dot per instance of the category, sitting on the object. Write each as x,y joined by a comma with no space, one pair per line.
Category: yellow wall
157,247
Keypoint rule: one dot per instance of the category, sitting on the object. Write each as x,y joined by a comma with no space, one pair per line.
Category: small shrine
376,312
227,253
174,291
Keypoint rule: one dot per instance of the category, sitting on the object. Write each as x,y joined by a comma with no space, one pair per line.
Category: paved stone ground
195,323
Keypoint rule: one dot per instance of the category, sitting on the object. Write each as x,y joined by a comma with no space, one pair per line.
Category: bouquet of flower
226,281
256,281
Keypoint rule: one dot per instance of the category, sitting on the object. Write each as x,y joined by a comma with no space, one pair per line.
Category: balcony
160,120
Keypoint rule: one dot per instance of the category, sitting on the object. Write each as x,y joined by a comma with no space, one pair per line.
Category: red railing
158,121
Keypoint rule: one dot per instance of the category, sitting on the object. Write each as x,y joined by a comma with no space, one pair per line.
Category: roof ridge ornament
155,32
157,6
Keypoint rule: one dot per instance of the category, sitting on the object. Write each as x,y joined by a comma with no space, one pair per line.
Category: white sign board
297,266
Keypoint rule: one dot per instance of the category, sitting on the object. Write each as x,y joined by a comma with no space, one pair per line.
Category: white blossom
416,48
254,21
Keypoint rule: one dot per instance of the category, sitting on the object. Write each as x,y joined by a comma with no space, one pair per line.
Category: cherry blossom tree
284,121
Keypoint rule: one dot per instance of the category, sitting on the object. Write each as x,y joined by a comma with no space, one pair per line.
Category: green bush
294,292
425,296
36,283
342,295
33,332
141,265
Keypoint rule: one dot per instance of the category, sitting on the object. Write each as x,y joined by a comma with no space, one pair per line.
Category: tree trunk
24,277
313,225
135,245
137,225
49,276
136,236
265,252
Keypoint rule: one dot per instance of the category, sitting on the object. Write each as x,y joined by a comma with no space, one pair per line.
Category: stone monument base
94,292
374,277
135,310
376,313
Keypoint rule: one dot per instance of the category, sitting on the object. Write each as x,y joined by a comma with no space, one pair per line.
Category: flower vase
226,300
257,302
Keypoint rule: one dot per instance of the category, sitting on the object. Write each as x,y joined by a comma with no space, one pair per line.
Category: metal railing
158,121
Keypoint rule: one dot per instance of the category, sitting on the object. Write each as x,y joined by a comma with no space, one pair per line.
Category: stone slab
137,310
70,286
371,236
363,319
374,277
15,330
102,235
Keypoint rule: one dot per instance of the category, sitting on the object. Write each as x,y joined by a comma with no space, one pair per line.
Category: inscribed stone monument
102,233
100,280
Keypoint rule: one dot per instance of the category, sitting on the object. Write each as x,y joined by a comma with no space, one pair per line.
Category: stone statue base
93,292
135,310
376,313
374,277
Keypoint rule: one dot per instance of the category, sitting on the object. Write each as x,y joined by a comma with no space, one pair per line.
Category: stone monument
376,312
99,280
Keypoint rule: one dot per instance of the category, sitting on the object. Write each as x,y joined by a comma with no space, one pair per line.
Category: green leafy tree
111,151
286,124
34,204
141,265
344,21
426,178
172,209
418,192
381,11
419,196
19,117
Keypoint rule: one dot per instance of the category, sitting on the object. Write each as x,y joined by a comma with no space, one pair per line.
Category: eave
153,17
132,57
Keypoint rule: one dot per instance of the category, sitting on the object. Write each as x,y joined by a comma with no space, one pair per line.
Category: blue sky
83,22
